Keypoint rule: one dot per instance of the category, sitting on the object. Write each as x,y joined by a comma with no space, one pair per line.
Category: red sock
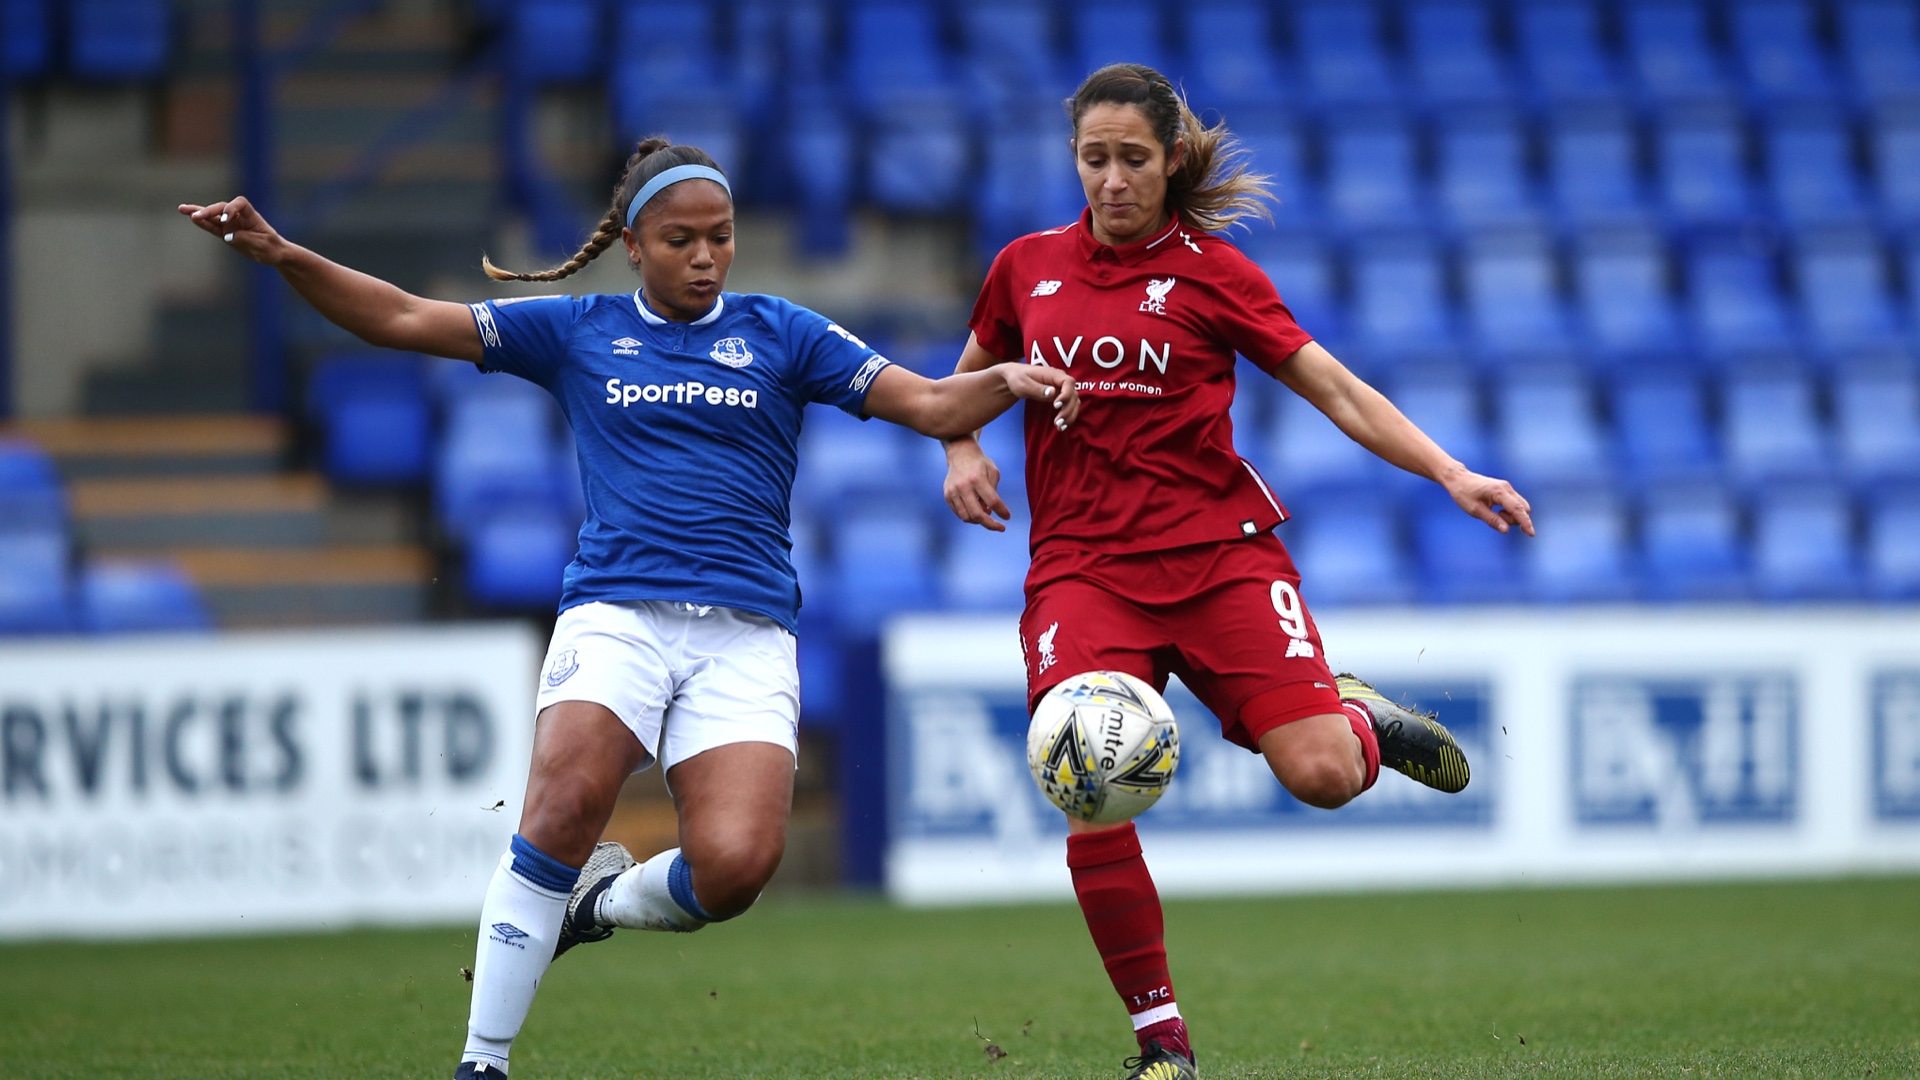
1123,914
1362,723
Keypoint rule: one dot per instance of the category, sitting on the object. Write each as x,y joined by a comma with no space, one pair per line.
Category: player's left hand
1034,382
1490,499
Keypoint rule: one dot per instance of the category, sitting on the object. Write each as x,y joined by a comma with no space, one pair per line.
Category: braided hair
652,157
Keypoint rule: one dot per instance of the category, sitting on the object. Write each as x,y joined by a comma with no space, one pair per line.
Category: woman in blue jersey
675,640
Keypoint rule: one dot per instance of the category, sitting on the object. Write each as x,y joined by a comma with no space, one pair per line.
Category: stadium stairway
266,547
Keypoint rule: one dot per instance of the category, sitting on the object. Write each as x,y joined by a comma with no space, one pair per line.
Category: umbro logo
1045,288
508,934
626,346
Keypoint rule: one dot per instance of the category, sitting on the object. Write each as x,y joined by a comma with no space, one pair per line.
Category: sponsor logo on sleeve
483,317
1045,288
864,377
732,352
626,346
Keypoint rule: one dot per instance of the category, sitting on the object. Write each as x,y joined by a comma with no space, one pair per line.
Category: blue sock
680,886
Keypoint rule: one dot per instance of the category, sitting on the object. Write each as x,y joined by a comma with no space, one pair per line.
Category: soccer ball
1103,746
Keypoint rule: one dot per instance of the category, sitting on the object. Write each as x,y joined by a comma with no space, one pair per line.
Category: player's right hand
240,225
973,486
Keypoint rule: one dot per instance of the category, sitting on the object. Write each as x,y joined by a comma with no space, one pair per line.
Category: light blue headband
670,177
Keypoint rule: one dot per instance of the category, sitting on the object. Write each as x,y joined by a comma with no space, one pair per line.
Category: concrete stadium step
258,587
159,512
110,447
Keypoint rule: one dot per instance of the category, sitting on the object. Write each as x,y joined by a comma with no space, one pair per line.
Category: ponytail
1213,187
652,157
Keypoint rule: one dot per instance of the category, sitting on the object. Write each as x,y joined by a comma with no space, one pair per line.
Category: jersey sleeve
1254,321
996,322
526,336
833,366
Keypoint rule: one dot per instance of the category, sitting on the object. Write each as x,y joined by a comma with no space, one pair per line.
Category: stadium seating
1773,432
1692,543
117,40
1453,60
882,564
1349,552
1483,178
1585,555
1549,433
1513,300
555,41
1672,57
1877,420
1810,161
1561,49
515,560
1371,180
1661,417
1625,300
375,418
1703,170
1893,545
1115,31
27,37
1230,57
125,596
1779,53
1400,304
1592,166
1881,49
1803,545
1847,307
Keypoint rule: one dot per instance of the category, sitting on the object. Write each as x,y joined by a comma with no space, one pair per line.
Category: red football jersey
1149,331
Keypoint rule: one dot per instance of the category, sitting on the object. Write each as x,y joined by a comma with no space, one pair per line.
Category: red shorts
1225,617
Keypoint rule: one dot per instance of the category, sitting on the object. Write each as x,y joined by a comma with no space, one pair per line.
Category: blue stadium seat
496,456
1703,170
1028,183
374,416
1445,405
1803,545
1231,59
1736,302
918,157
1672,57
1460,558
1010,54
35,597
1400,306
882,564
1565,59
808,54
1274,148
136,596
668,78
1372,182
556,41
26,43
1315,457
1593,170
1810,163
1877,38
1115,31
31,496
1453,57
820,155
1302,271
894,52
1771,427
517,560
1513,300
1339,44
114,40
1896,168
1780,52
844,458
1691,546
1549,432
1842,278
1625,302
1584,553
1876,409
1661,417
1483,181
985,571
1349,552
1893,546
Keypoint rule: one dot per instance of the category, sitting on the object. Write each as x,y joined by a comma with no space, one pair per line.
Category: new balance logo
1045,288
626,346
1299,647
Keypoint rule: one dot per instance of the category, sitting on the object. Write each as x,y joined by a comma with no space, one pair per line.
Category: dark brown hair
652,157
1213,188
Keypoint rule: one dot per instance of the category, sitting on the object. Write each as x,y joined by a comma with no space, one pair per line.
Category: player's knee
729,875
1323,778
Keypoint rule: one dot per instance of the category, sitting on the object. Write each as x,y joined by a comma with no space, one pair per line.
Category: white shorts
684,677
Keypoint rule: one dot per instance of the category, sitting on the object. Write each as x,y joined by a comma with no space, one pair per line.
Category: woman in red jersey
1152,541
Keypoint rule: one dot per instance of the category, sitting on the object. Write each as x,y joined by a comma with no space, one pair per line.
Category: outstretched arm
375,311
1369,419
972,487
960,404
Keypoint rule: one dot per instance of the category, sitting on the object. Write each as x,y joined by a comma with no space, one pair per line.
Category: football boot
479,1070
1160,1062
582,925
1412,743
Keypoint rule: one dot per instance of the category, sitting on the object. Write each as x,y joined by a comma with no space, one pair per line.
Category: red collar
1125,254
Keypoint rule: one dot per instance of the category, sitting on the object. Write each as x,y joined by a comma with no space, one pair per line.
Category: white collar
719,305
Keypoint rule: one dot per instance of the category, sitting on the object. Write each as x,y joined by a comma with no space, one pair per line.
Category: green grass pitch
1796,979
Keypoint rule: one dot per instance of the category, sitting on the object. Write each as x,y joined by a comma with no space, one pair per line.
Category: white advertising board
236,783
1606,745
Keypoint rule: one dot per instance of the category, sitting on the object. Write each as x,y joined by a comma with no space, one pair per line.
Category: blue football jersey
688,433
